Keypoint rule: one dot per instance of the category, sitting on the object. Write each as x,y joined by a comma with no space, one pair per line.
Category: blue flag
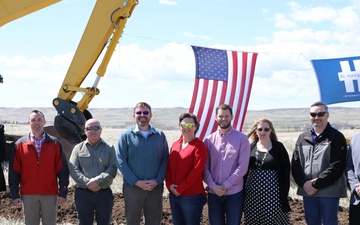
339,79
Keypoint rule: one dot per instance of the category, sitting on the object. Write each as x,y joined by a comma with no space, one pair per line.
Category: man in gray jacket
318,164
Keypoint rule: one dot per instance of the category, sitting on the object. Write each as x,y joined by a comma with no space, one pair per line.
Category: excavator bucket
66,146
70,121
68,130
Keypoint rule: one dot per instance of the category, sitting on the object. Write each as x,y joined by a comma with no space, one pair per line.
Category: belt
101,190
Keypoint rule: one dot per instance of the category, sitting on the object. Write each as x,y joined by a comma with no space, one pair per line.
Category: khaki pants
40,206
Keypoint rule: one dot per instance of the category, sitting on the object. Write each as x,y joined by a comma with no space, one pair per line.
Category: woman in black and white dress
268,179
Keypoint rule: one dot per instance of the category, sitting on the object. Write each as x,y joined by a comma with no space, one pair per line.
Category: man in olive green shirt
92,165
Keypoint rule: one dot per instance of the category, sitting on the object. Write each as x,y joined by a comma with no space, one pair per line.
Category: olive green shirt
88,161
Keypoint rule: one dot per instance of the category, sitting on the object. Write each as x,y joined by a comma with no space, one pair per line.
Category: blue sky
154,61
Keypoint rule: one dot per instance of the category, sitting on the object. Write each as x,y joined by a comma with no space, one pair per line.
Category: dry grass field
288,122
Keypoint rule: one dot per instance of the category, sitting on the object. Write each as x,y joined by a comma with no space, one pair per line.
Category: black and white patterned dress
262,192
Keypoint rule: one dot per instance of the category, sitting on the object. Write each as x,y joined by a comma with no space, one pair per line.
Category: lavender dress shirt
227,161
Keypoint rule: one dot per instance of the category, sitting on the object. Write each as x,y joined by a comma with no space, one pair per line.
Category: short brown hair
224,107
142,104
37,112
190,115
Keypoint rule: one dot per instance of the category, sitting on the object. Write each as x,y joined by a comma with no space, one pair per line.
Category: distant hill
286,119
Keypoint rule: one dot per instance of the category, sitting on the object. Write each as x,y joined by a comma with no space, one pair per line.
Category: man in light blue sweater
142,153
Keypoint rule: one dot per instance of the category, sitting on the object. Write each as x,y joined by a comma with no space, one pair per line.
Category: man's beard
143,123
224,125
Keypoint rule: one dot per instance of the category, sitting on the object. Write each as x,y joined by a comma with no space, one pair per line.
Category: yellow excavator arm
13,9
103,31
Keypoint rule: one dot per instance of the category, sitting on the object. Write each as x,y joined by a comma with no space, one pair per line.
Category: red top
185,167
40,175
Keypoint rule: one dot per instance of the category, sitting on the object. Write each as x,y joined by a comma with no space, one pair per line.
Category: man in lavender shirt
226,165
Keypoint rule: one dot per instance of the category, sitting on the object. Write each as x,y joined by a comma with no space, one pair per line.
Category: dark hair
38,111
142,104
224,107
320,103
252,134
190,115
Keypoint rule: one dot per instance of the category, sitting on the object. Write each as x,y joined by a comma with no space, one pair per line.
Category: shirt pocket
104,158
85,159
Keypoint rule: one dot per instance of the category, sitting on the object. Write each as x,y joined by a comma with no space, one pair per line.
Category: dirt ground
67,212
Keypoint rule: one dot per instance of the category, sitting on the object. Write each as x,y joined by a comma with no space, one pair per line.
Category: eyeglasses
142,112
187,125
263,129
319,114
93,128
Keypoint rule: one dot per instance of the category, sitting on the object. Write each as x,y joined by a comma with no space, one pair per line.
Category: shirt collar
87,142
33,138
151,129
227,133
313,134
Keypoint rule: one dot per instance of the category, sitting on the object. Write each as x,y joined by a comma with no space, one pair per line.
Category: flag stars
213,64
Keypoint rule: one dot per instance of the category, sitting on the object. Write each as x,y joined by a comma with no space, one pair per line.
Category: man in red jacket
38,165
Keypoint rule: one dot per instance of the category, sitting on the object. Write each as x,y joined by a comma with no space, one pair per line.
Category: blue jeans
88,203
226,209
321,210
187,210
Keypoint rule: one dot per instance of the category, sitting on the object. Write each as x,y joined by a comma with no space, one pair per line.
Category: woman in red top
184,173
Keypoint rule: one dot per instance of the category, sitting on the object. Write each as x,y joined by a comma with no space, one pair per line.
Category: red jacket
185,167
38,176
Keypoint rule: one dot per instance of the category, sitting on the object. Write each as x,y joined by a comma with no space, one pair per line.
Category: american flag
221,77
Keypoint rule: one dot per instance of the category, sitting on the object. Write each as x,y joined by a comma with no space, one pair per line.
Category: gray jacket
323,159
353,168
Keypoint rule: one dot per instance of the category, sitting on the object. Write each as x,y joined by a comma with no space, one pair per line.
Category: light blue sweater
140,158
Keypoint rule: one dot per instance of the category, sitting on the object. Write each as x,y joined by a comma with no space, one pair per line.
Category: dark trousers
354,214
89,204
139,202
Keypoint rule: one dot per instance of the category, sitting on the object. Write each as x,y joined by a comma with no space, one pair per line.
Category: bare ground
67,212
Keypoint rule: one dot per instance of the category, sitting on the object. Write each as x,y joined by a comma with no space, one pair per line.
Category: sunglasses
319,114
93,128
142,112
263,129
187,125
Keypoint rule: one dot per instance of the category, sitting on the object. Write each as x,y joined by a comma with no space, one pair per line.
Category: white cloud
188,34
271,92
356,3
283,23
264,10
167,2
347,19
311,14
